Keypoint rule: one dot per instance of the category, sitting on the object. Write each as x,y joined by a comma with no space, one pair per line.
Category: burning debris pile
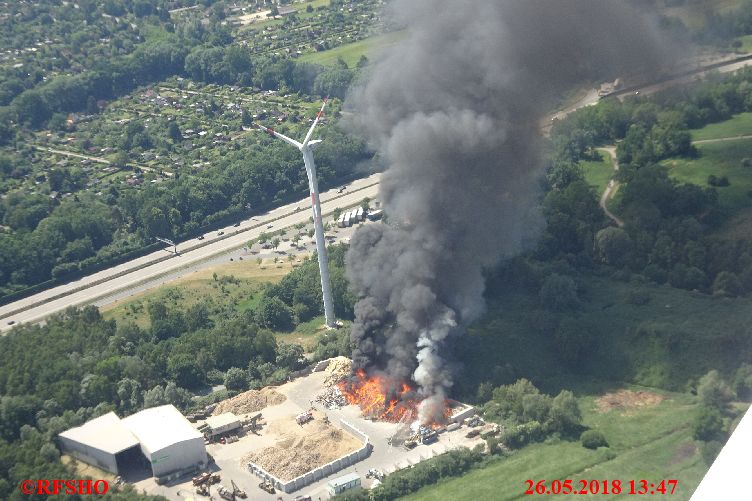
383,399
453,110
338,369
331,398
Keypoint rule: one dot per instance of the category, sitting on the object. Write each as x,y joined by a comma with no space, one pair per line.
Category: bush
592,439
710,451
708,425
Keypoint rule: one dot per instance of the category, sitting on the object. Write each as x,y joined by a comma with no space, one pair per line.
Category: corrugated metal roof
344,479
105,433
160,427
222,420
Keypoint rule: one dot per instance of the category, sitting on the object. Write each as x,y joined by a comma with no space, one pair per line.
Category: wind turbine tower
307,148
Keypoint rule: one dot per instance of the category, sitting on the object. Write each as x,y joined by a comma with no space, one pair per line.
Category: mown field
598,173
352,52
722,158
739,125
650,442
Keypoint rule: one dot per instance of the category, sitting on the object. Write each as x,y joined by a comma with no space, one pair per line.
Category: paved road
96,159
720,139
612,185
132,273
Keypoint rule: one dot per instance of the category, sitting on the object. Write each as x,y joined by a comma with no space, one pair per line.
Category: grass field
723,158
651,443
739,125
598,173
746,41
351,52
240,293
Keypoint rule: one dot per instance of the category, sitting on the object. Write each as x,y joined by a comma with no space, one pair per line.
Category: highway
107,282
158,264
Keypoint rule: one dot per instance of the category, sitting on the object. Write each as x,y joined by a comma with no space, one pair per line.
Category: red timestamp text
569,486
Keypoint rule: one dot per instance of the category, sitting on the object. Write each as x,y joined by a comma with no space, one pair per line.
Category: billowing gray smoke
454,111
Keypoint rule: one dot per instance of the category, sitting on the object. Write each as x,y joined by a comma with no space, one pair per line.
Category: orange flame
370,394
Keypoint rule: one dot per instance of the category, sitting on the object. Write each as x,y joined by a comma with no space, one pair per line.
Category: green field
746,41
351,52
598,173
650,442
240,292
723,158
739,125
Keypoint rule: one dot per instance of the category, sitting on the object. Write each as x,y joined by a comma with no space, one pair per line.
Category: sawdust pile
337,370
250,401
303,448
628,399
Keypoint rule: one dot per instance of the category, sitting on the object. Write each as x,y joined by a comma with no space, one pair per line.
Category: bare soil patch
683,452
302,448
627,400
250,401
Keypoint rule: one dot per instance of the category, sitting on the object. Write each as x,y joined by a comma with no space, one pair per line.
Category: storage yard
292,453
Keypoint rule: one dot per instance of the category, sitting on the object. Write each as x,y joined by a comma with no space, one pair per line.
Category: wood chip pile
338,369
295,455
250,401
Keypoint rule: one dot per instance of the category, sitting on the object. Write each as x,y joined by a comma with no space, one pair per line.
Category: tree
236,379
559,293
713,391
185,371
274,314
275,242
727,284
174,132
613,245
708,425
565,413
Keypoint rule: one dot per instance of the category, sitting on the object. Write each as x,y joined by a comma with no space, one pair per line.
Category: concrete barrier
322,471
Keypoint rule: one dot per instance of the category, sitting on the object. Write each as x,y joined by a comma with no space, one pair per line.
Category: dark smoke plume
454,110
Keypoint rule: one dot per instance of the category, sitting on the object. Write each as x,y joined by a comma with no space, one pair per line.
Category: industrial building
101,442
224,423
343,483
160,437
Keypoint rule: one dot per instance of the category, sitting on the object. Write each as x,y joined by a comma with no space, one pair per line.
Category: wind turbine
307,147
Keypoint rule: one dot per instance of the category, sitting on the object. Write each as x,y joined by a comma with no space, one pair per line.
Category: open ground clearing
739,125
719,159
651,442
598,172
351,53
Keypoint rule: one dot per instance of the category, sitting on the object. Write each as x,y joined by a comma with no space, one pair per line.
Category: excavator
267,486
237,491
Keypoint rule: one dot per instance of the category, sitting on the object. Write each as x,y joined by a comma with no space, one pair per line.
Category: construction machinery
302,419
237,491
214,478
203,490
201,479
225,493
267,486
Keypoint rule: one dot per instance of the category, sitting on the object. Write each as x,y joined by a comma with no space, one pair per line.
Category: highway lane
132,273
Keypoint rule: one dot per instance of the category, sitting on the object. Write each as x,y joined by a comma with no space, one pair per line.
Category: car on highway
341,189
236,225
201,237
220,233
11,322
269,226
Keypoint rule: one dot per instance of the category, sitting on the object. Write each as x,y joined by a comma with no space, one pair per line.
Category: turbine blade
316,121
281,136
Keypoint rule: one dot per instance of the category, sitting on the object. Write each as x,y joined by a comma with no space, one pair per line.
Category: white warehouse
160,435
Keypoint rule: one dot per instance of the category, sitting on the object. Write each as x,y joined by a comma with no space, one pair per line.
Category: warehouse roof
160,427
344,479
225,419
105,433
